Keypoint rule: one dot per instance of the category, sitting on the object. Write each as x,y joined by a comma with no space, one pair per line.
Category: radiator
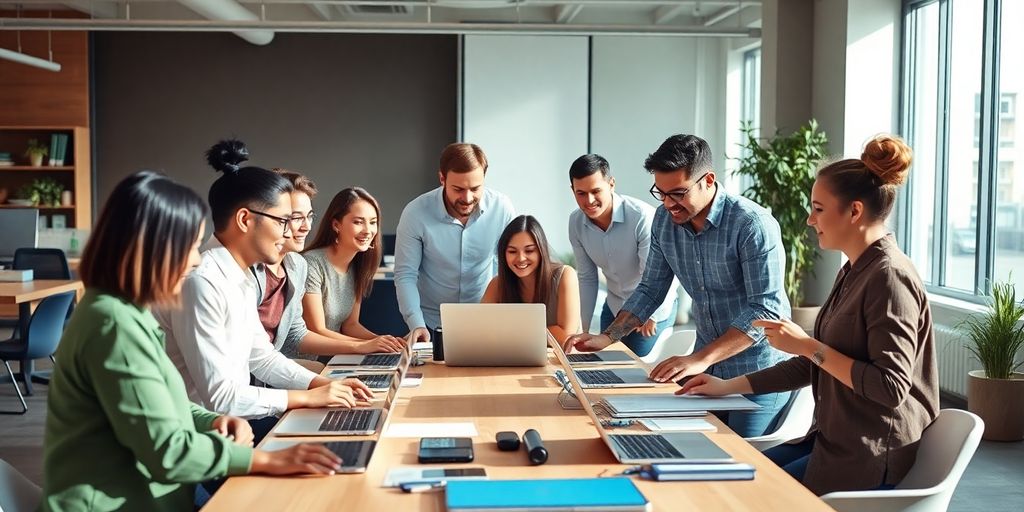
954,360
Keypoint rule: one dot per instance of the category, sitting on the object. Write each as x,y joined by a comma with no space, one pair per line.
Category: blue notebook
613,494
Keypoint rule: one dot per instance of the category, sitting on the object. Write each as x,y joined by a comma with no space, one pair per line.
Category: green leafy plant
997,335
35,148
782,169
44,191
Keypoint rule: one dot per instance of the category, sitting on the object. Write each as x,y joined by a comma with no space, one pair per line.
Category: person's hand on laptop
678,367
419,334
313,459
360,390
236,429
585,342
336,393
710,385
384,343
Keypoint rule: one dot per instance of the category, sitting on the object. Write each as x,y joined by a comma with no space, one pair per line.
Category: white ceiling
667,17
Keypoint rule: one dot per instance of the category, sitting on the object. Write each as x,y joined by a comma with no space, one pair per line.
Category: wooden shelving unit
75,175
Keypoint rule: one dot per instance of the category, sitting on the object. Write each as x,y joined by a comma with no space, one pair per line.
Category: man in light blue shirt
447,238
727,252
612,232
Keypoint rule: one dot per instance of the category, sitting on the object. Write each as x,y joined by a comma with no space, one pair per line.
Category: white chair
946,448
17,493
796,421
677,343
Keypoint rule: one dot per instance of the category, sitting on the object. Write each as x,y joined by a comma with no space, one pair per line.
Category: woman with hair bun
872,365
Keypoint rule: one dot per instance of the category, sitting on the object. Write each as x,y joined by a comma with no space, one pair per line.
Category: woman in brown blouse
872,369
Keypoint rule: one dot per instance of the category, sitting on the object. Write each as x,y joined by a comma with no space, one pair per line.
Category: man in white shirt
612,232
215,338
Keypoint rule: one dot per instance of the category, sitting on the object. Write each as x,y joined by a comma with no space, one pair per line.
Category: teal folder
592,494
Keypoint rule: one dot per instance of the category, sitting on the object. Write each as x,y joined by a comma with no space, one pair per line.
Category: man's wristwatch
818,357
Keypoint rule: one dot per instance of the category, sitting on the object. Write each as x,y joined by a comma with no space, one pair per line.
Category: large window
965,207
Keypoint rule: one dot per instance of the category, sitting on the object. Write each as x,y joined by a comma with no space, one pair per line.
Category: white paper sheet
467,429
677,425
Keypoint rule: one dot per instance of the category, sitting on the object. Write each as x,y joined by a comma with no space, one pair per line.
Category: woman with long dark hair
121,433
526,274
342,259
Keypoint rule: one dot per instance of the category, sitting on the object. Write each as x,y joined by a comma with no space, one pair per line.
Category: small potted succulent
36,152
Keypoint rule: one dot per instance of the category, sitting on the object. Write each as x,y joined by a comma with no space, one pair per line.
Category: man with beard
727,252
446,239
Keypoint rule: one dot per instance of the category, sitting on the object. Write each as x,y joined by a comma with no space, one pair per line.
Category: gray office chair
17,493
45,328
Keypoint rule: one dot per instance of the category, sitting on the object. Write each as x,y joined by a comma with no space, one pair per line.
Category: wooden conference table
516,399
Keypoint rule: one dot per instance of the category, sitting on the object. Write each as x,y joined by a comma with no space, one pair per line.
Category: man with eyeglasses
727,252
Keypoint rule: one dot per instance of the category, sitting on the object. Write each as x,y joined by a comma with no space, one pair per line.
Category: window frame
988,146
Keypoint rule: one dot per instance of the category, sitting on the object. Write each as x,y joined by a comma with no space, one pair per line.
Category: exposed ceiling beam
393,27
567,13
93,8
724,14
667,13
324,11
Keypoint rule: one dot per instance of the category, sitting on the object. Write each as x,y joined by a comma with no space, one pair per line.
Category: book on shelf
53,149
62,147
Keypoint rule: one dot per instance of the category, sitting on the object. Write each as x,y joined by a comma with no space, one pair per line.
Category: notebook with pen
611,494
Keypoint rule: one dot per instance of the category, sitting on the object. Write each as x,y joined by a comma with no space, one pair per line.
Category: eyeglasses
676,197
298,220
286,224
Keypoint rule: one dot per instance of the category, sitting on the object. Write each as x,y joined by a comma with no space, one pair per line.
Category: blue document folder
612,494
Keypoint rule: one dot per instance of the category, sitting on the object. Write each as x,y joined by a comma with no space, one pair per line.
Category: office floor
992,482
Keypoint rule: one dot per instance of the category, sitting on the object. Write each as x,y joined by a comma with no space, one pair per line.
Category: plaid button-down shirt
733,269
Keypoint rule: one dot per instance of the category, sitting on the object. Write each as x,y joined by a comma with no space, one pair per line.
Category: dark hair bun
888,157
226,155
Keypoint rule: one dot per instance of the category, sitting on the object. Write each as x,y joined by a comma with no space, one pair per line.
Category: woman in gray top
282,287
527,275
342,261
872,368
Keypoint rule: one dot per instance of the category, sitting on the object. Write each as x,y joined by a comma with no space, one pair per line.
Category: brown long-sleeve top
878,315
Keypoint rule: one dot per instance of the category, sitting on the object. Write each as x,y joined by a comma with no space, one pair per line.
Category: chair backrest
17,493
47,325
946,448
679,343
44,263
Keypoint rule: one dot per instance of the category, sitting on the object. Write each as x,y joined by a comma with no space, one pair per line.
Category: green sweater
121,433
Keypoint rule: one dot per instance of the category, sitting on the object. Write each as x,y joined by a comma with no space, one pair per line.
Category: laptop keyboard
376,381
593,377
381,360
644,447
349,451
347,420
584,358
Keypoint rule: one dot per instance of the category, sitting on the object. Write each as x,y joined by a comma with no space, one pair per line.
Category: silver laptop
662,405
381,361
358,421
679,447
375,380
601,358
495,334
614,378
355,455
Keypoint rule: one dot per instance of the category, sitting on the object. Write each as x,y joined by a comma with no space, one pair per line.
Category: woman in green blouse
121,433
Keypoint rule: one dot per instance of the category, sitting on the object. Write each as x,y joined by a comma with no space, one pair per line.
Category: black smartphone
446,449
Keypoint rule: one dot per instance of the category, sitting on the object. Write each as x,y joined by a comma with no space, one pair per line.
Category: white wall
646,89
524,101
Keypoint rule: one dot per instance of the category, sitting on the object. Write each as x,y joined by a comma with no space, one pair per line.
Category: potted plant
36,152
782,169
42,192
995,338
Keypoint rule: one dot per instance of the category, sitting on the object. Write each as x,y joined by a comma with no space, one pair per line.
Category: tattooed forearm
624,324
